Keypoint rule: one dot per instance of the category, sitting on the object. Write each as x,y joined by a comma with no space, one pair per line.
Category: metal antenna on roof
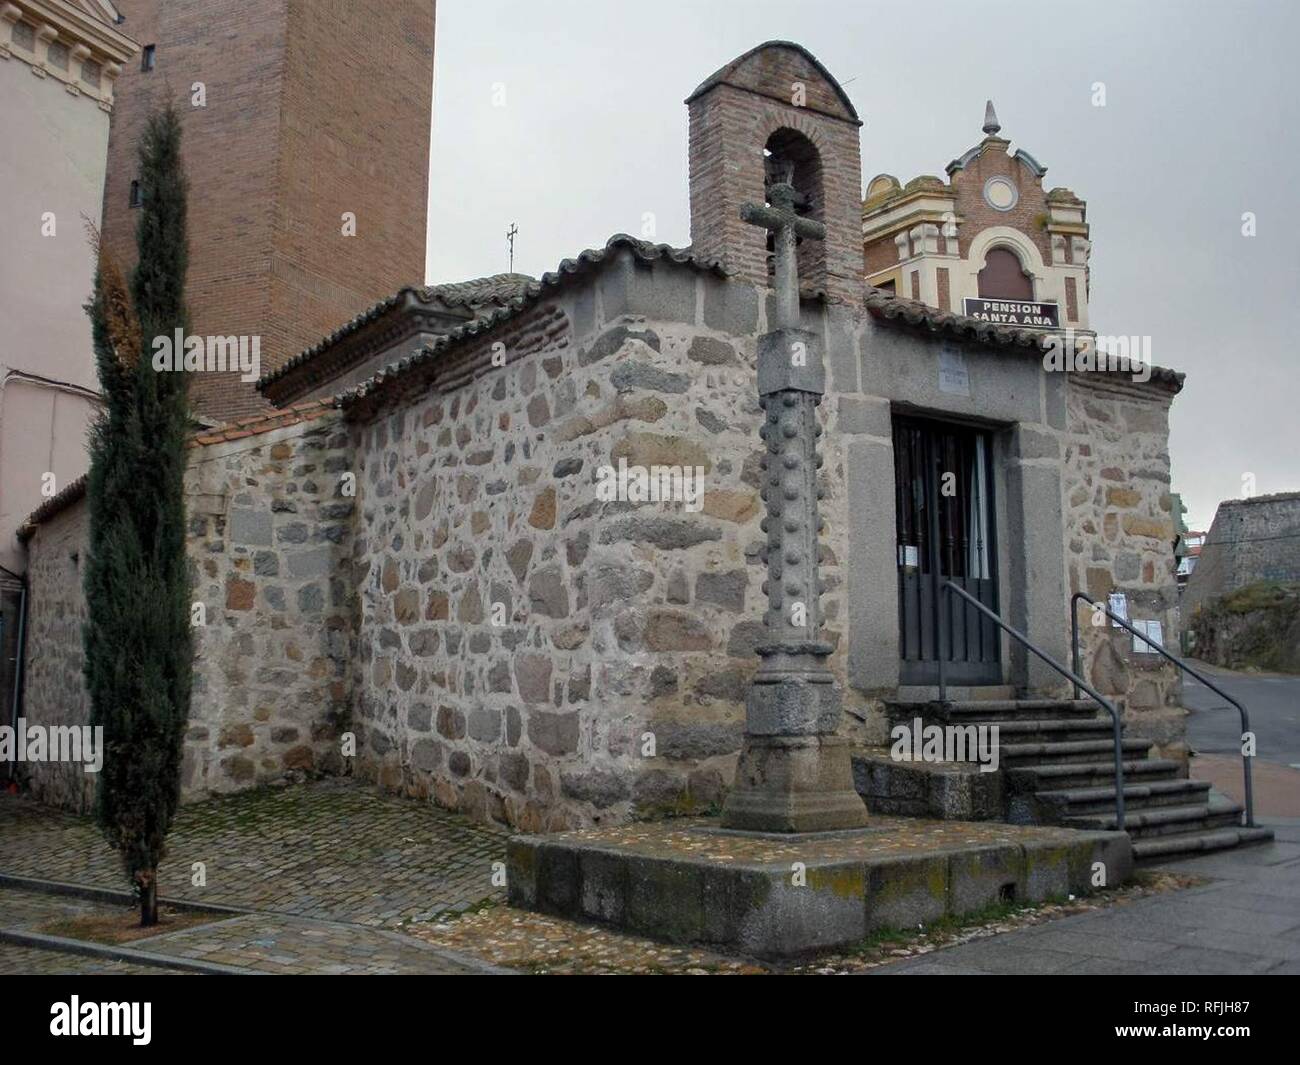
510,236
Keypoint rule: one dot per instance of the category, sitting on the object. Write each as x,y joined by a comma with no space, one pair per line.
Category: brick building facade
932,240
277,100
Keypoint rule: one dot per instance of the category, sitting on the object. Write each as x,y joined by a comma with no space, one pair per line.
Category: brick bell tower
775,110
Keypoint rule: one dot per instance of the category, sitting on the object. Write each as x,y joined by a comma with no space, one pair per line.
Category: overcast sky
567,119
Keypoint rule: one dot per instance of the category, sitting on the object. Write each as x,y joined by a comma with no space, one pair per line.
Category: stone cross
794,773
786,226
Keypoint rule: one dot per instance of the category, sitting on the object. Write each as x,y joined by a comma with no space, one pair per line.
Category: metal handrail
947,586
1245,718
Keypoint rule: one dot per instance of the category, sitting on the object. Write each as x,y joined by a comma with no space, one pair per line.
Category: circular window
1000,193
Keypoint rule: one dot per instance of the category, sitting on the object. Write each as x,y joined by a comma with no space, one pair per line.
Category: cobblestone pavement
264,942
1247,920
273,943
30,909
332,850
30,961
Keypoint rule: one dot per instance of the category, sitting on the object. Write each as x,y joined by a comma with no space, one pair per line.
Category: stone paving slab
16,960
257,942
331,850
273,943
31,909
1246,921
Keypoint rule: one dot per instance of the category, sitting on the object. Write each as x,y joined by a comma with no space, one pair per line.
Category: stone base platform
949,791
772,895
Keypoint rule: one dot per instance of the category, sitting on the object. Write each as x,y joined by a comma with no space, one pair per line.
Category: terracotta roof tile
240,429
478,295
898,310
584,262
72,491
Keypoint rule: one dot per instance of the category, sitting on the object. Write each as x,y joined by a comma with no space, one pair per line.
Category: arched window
790,156
1004,278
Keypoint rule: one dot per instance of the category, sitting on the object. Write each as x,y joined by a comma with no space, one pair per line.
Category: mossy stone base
782,895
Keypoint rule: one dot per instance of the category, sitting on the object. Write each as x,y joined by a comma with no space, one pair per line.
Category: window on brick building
58,56
1004,278
90,73
136,198
24,36
147,58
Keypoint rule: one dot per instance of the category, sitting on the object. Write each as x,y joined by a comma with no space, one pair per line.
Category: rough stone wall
621,618
1119,538
53,690
1250,540
270,541
270,545
512,645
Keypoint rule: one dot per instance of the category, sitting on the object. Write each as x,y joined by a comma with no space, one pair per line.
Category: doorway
943,481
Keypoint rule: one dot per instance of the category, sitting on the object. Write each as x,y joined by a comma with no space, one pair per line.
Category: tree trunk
148,898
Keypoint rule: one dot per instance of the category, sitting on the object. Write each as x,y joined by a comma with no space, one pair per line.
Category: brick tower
777,107
297,115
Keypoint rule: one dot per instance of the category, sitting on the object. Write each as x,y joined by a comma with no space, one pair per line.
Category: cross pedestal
794,773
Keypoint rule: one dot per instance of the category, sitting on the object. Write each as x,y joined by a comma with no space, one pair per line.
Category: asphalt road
1271,699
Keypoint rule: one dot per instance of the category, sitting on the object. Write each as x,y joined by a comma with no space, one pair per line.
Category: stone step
993,710
1088,774
1022,755
1164,820
1075,802
1082,730
1162,848
929,693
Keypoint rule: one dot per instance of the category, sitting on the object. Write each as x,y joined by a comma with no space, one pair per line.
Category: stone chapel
410,550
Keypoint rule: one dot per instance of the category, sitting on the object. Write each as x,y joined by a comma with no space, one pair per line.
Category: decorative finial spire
990,119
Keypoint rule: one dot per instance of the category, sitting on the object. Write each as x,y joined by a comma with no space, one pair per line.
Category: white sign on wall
953,377
1151,629
1118,604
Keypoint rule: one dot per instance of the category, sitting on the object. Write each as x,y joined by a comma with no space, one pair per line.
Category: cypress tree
137,640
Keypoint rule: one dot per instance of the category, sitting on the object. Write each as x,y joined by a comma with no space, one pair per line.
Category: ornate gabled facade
988,242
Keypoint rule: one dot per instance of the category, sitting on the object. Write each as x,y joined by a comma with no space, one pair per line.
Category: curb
96,894
114,953
219,912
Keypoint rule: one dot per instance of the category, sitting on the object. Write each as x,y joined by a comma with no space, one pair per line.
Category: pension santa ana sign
1013,312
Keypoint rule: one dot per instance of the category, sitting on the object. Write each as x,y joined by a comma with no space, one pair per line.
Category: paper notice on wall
953,377
1150,629
908,556
1118,604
